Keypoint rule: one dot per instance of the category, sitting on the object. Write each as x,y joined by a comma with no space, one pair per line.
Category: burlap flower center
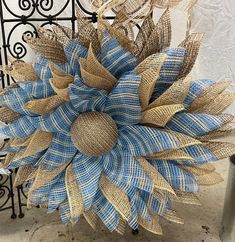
94,133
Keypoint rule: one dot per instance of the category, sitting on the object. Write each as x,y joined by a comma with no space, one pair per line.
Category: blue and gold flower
114,129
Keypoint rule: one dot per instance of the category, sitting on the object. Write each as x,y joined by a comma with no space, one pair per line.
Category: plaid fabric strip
57,194
141,206
87,171
85,98
74,51
158,206
200,153
170,70
59,120
61,151
196,124
21,128
25,161
65,213
106,212
15,99
122,168
114,57
143,141
133,221
123,103
179,179
40,196
42,69
197,87
9,149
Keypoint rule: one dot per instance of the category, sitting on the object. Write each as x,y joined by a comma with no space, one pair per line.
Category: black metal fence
33,13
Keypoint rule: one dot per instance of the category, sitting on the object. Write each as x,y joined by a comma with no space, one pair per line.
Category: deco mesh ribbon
114,129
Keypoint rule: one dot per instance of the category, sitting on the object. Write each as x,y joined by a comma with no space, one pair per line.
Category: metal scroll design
33,13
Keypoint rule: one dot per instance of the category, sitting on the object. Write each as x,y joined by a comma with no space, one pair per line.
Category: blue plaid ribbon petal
123,103
21,128
114,57
170,70
144,141
179,179
59,153
57,194
74,51
123,169
196,124
87,171
59,120
106,212
196,88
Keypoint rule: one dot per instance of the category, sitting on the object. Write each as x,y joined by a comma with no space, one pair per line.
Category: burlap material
94,80
208,95
44,176
121,226
154,62
221,149
23,72
200,170
61,92
160,116
184,140
7,115
96,68
152,226
49,49
22,175
148,82
8,159
159,38
45,105
19,142
143,34
32,175
172,155
87,33
74,195
116,197
210,179
175,94
172,216
64,34
219,104
92,219
192,45
166,3
94,133
225,131
122,38
39,141
159,181
187,198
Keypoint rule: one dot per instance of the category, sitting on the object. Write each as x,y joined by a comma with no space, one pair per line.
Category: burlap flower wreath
111,128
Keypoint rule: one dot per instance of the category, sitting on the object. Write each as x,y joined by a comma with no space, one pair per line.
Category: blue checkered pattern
106,212
143,141
60,152
196,88
179,179
87,171
74,51
21,128
196,124
170,70
123,103
115,58
15,99
59,120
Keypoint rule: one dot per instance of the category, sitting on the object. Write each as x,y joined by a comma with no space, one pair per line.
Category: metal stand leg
228,221
21,214
135,231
